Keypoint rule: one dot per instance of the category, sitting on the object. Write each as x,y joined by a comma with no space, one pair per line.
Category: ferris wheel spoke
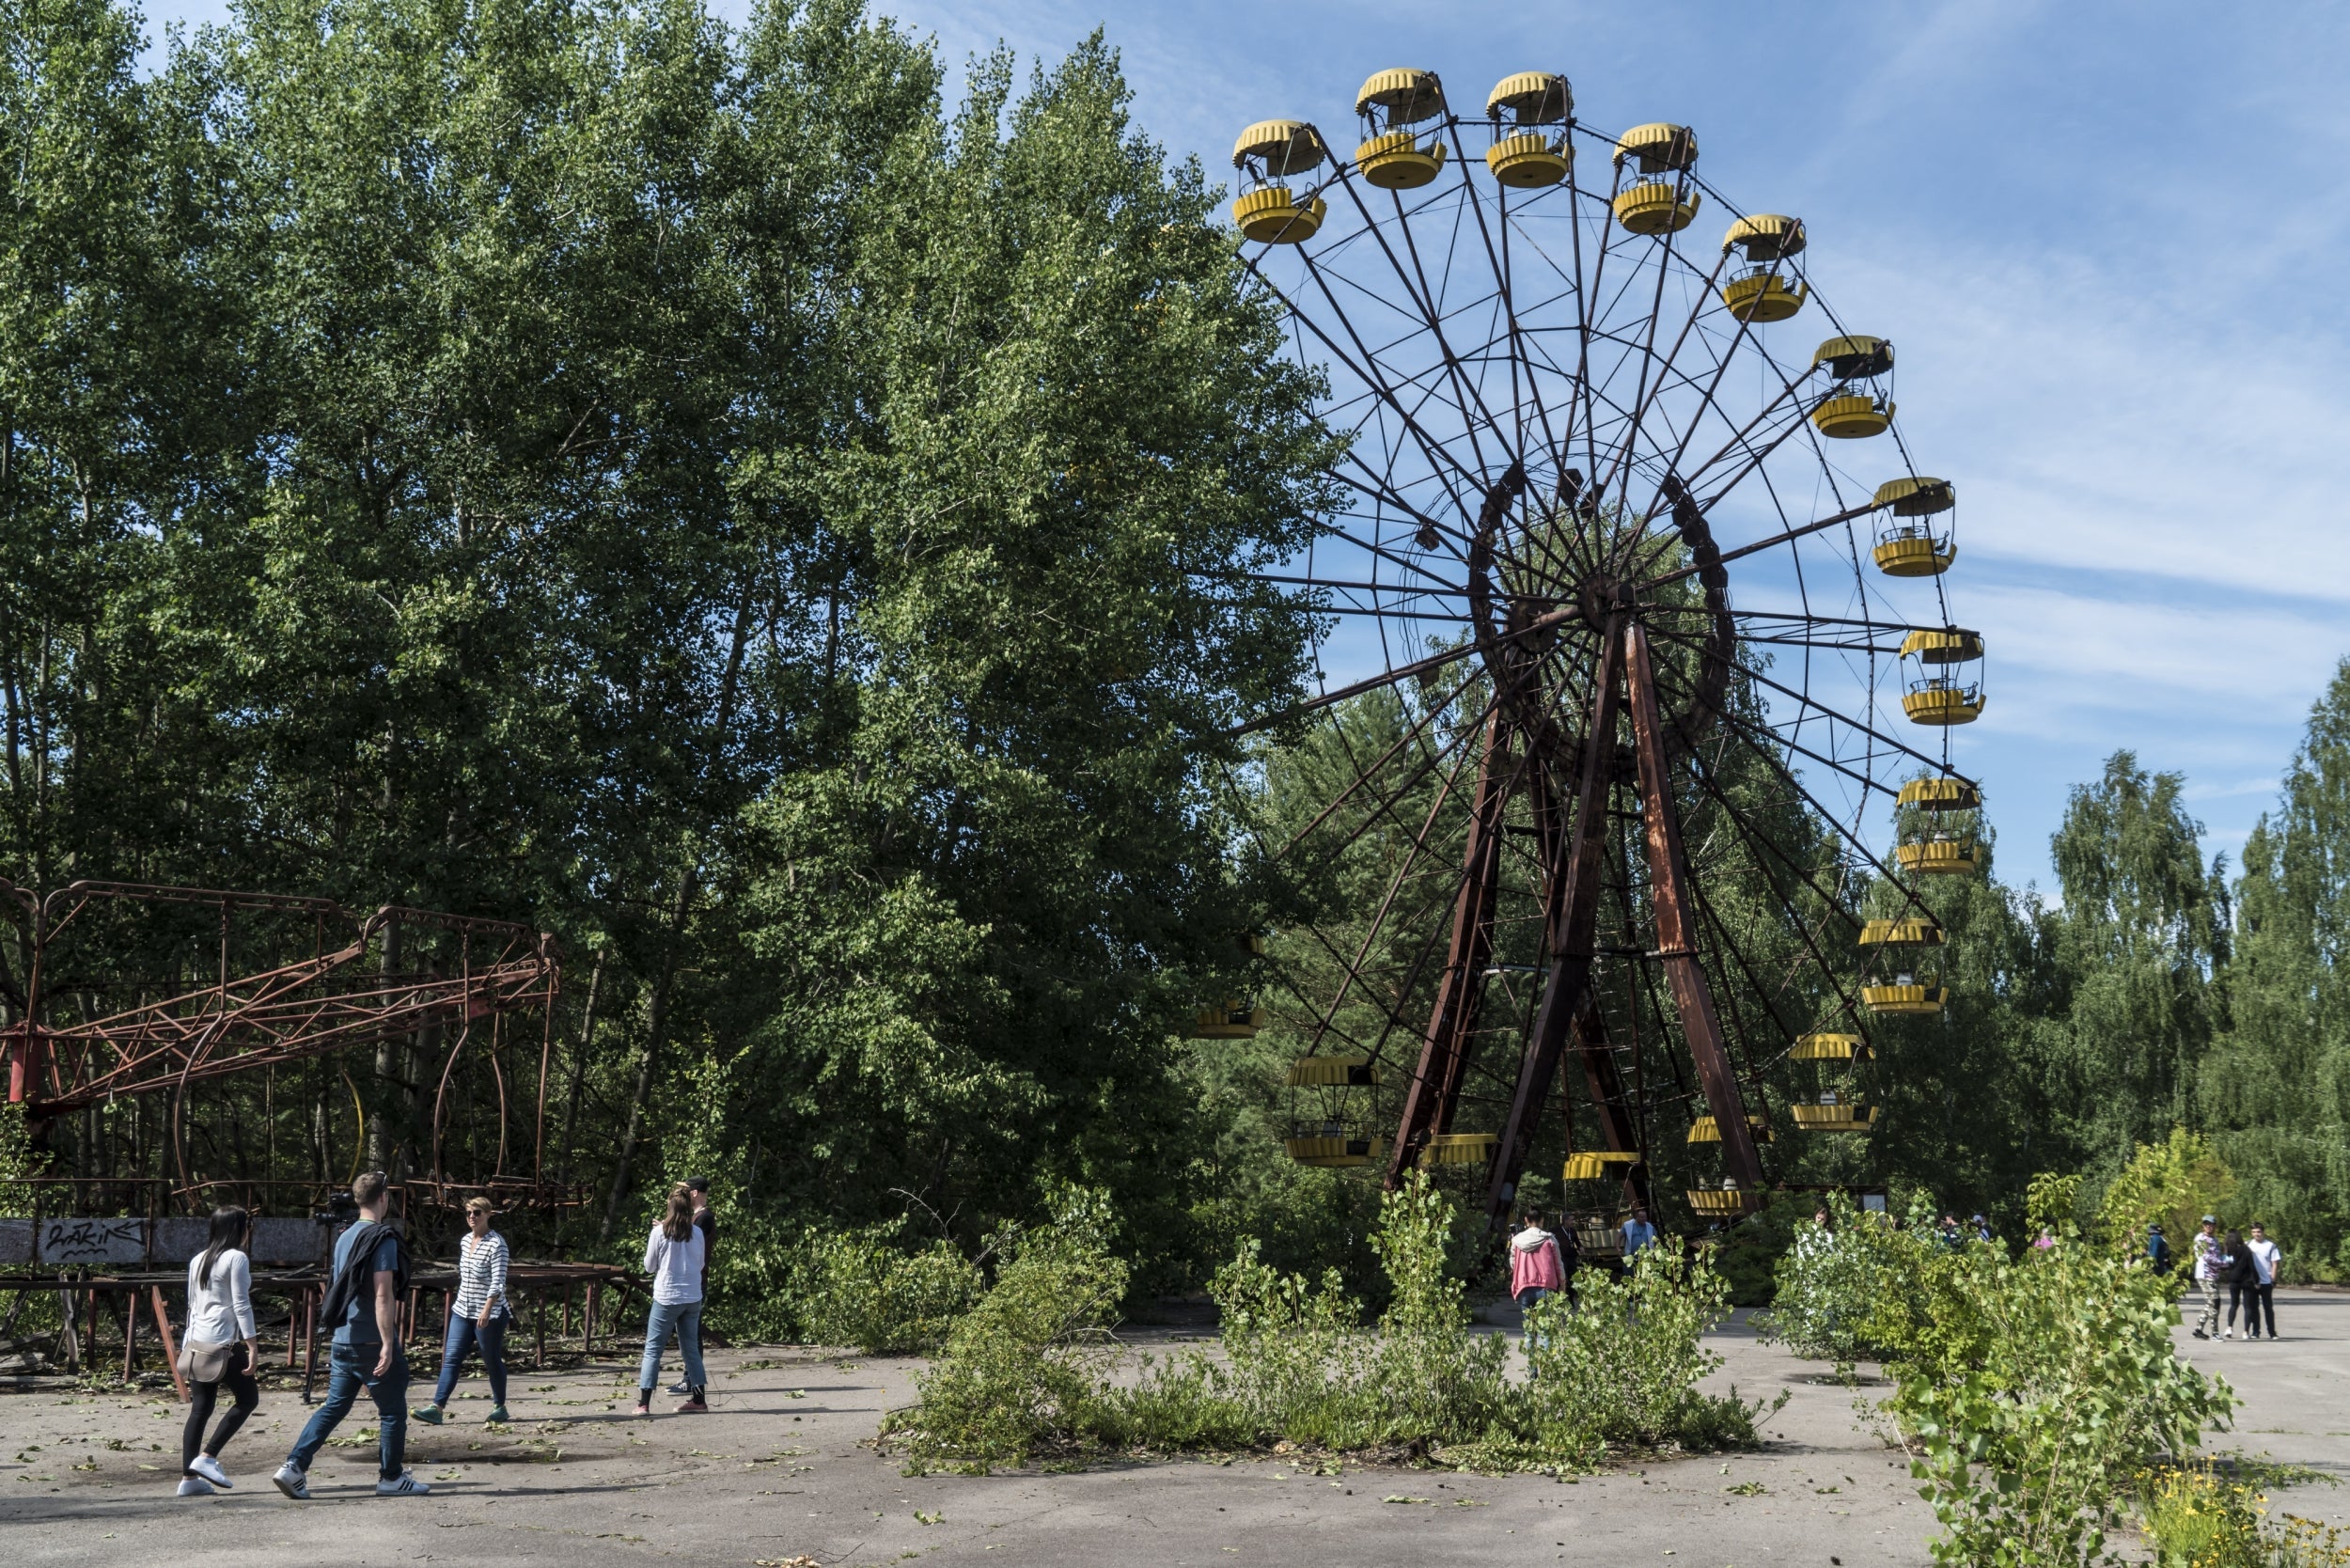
1622,461
1365,775
1786,537
1439,458
1417,288
1814,704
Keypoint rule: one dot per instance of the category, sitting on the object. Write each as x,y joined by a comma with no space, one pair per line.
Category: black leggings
201,1397
2246,1297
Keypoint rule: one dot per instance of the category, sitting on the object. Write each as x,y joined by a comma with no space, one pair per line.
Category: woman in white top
673,1256
217,1348
478,1316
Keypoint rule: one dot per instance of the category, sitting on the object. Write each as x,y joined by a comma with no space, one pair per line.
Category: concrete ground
782,1473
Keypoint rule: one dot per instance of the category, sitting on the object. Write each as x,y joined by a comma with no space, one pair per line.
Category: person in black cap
707,1223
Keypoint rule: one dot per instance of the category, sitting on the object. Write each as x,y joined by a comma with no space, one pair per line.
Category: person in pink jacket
1535,1270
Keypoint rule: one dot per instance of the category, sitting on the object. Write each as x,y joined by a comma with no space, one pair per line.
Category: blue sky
2103,235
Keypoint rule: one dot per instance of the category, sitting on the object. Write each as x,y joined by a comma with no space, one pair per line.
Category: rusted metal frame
1601,1080
449,1063
1380,490
1428,1100
286,1021
1856,623
1676,938
1572,931
294,1039
1425,299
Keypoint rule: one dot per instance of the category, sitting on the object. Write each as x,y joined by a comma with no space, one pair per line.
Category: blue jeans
464,1335
686,1318
1526,1298
351,1368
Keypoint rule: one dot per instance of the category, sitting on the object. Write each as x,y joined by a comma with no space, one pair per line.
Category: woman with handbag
217,1348
477,1318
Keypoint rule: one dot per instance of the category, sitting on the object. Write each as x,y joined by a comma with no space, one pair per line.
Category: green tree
2275,1091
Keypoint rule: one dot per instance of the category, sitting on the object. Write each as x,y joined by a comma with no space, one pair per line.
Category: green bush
1025,1370
2040,1390
858,1288
1844,1287
1029,1373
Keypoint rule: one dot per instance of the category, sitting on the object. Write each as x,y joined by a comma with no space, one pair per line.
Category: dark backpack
351,1279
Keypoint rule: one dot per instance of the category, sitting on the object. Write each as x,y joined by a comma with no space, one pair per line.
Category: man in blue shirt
362,1304
1637,1234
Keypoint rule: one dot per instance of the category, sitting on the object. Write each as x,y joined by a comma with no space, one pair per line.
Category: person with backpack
673,1256
217,1347
362,1302
478,1316
2157,1248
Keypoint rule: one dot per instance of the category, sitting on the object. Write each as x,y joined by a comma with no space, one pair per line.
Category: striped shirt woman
478,1316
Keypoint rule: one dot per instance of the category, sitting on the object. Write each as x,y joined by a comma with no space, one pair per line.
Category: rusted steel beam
1430,1098
1676,920
1571,927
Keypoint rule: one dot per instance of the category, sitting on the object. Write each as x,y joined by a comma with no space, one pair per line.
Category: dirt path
780,1470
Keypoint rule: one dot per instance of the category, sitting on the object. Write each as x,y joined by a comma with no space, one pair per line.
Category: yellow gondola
1909,546
1766,289
1849,413
1335,1149
1912,932
1941,855
1904,997
1598,1165
1939,794
1459,1149
1655,204
1721,1202
1231,1020
1392,156
1706,1130
1826,1046
1266,211
1525,158
1943,699
1832,1115
1333,1072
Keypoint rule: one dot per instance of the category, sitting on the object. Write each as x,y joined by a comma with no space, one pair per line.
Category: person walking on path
2243,1292
218,1347
1570,1255
1536,1269
2265,1258
2157,1248
673,1257
363,1305
2209,1262
1637,1234
477,1318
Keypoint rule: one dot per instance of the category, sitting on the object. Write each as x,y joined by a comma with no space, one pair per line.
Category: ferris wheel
1635,619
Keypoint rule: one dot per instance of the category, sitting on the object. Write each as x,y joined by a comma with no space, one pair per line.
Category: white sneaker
295,1484
2227,1333
406,1486
194,1486
208,1468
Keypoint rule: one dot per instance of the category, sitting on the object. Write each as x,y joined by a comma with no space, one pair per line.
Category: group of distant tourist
2245,1264
362,1302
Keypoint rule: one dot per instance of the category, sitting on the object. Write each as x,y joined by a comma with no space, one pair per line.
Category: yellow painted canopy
1951,645
1767,236
1406,94
1284,146
1532,97
1659,146
1854,355
1940,794
1917,495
